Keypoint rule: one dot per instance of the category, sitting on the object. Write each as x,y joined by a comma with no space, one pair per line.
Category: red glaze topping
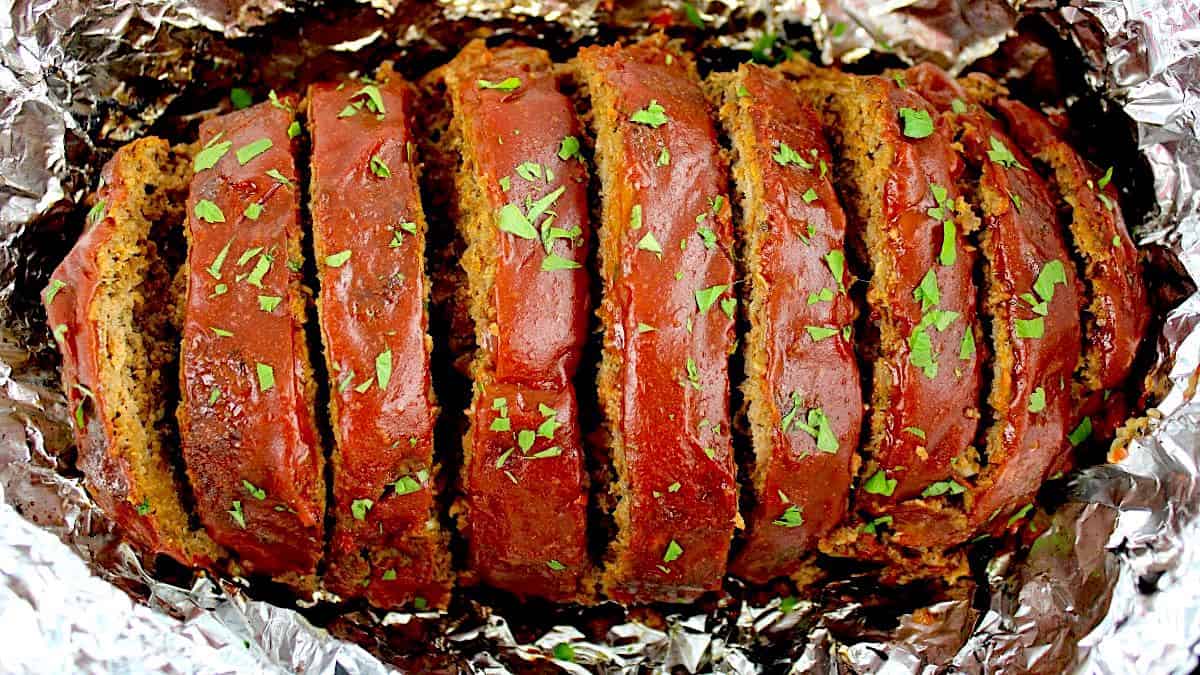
366,208
1036,322
934,366
111,481
802,484
667,268
524,478
246,420
1118,307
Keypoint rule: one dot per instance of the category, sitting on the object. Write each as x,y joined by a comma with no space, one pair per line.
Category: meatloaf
802,382
667,310
522,198
246,417
369,243
111,306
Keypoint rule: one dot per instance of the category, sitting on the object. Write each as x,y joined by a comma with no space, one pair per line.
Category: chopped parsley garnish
221,332
674,550
674,487
564,652
209,212
214,395
60,332
507,84
293,129
728,305
555,262
664,157
1001,155
943,487
255,491
380,167
144,507
253,211
253,149
268,303
645,328
880,484
261,267
1082,432
958,106
1037,400
568,148
389,575
210,155
916,431
706,297
949,251
1020,514
501,424
1105,179
511,220
96,213
374,100
420,603
278,176
917,123
966,348
547,453
338,259
836,260
653,115
240,98
406,485
927,292
791,517
809,196
693,373
708,237
1030,328
786,155
649,243
555,565
237,514
266,376
873,526
360,507
823,295
530,171
900,80
525,440
383,368
53,288
635,217
742,91
818,333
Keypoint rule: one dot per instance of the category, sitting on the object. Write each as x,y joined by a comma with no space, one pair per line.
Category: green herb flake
1081,432
1105,179
144,507
823,295
900,80
873,526
880,484
942,488
237,514
221,332
1030,328
253,149
838,29
664,157
809,196
674,487
927,292
420,603
555,262
279,177
917,123
1051,274
389,575
510,219
338,259
916,431
214,395
653,115
240,98
547,453
380,167
818,333
555,565
649,243
674,550
360,507
59,332
786,155
505,183
706,297
52,290
374,99
958,106
569,148
728,305
383,368
507,84
966,347
1001,155
792,516
949,249
256,492
261,267
268,303
1037,400
501,424
635,217
209,156
836,260
253,211
645,328
1020,514
293,129
209,212
742,91
525,439
406,485
266,376
564,652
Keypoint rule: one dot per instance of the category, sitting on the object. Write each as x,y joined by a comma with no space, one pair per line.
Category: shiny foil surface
1110,584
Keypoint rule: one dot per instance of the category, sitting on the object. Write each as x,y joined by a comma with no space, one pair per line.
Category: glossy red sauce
791,265
942,407
1019,242
1115,276
372,307
251,433
526,506
673,424
110,478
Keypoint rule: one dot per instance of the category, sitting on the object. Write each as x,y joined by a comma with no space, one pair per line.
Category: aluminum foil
1111,585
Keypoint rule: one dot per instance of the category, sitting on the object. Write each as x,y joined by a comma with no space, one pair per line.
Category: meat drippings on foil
1105,582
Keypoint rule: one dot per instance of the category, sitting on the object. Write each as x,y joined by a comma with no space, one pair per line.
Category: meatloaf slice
522,198
247,388
369,241
802,381
111,306
667,310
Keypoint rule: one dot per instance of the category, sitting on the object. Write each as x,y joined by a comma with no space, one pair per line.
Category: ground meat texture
802,382
1117,310
522,195
369,242
1032,299
246,414
111,308
666,263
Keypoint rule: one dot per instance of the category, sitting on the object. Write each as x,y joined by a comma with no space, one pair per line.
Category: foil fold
1112,584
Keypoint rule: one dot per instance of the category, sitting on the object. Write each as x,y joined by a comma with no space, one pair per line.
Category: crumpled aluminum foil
1112,585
